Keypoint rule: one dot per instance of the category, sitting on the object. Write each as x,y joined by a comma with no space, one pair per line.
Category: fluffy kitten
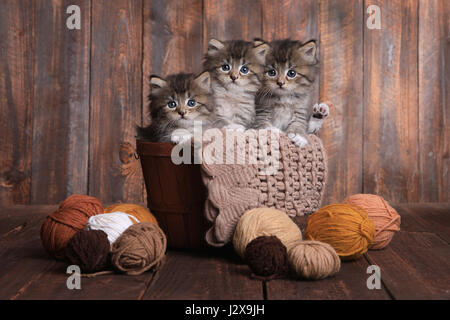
235,67
284,101
176,102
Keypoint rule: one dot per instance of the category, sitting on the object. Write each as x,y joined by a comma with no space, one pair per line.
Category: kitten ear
203,81
156,83
308,52
214,46
258,42
260,52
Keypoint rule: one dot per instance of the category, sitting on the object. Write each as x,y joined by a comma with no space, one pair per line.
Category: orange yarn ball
346,228
72,216
385,219
139,212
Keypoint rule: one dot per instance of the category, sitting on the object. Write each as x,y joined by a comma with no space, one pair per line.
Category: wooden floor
415,265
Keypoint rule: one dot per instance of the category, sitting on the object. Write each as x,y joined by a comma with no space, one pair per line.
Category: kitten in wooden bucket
236,68
176,102
284,102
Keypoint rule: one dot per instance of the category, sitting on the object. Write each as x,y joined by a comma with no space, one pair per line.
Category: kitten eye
291,73
191,103
172,104
244,70
272,73
226,67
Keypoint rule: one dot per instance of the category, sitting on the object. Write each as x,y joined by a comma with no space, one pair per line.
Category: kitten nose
182,112
280,82
233,76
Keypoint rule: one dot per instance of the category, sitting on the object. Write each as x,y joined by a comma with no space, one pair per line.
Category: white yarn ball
113,224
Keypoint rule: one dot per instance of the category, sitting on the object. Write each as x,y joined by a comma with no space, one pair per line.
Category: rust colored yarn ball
139,248
137,211
385,219
267,257
88,249
72,216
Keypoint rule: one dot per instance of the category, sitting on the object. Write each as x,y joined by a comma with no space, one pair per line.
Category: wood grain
116,93
199,276
390,154
341,40
61,103
434,105
420,260
349,283
16,100
231,20
290,19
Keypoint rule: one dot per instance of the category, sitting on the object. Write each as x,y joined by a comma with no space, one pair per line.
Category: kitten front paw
180,138
298,139
321,111
235,126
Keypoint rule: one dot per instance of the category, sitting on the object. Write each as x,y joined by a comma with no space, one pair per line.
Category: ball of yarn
72,216
264,222
88,249
385,219
137,211
267,257
139,248
313,260
346,228
113,224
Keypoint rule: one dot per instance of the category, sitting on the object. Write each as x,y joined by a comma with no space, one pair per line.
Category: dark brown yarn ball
267,257
88,249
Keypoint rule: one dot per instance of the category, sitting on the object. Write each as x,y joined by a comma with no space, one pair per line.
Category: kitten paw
298,139
234,126
180,138
321,111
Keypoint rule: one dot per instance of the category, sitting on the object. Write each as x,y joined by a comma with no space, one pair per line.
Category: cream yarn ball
265,222
113,224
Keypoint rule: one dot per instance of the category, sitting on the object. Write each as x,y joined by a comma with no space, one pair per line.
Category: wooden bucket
175,195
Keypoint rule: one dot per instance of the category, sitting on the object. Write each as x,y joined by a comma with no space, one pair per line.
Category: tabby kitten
176,102
284,102
235,67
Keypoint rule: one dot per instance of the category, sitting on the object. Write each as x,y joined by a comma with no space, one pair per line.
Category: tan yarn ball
265,222
313,260
385,219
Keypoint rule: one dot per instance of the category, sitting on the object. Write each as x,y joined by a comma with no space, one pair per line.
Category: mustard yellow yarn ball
137,211
348,229
265,222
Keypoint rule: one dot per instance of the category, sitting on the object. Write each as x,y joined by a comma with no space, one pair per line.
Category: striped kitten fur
284,101
175,103
235,67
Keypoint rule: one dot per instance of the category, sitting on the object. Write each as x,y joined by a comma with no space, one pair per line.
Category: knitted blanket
256,170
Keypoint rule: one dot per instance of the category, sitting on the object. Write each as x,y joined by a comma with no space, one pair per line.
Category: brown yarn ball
313,260
88,249
72,216
139,248
385,219
267,257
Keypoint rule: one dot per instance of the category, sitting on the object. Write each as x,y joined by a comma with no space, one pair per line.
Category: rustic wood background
70,98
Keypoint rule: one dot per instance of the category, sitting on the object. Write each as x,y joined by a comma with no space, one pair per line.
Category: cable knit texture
239,181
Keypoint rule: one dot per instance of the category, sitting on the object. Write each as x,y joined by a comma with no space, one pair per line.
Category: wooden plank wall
69,99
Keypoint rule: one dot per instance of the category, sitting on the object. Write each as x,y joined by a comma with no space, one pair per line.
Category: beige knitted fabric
295,185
